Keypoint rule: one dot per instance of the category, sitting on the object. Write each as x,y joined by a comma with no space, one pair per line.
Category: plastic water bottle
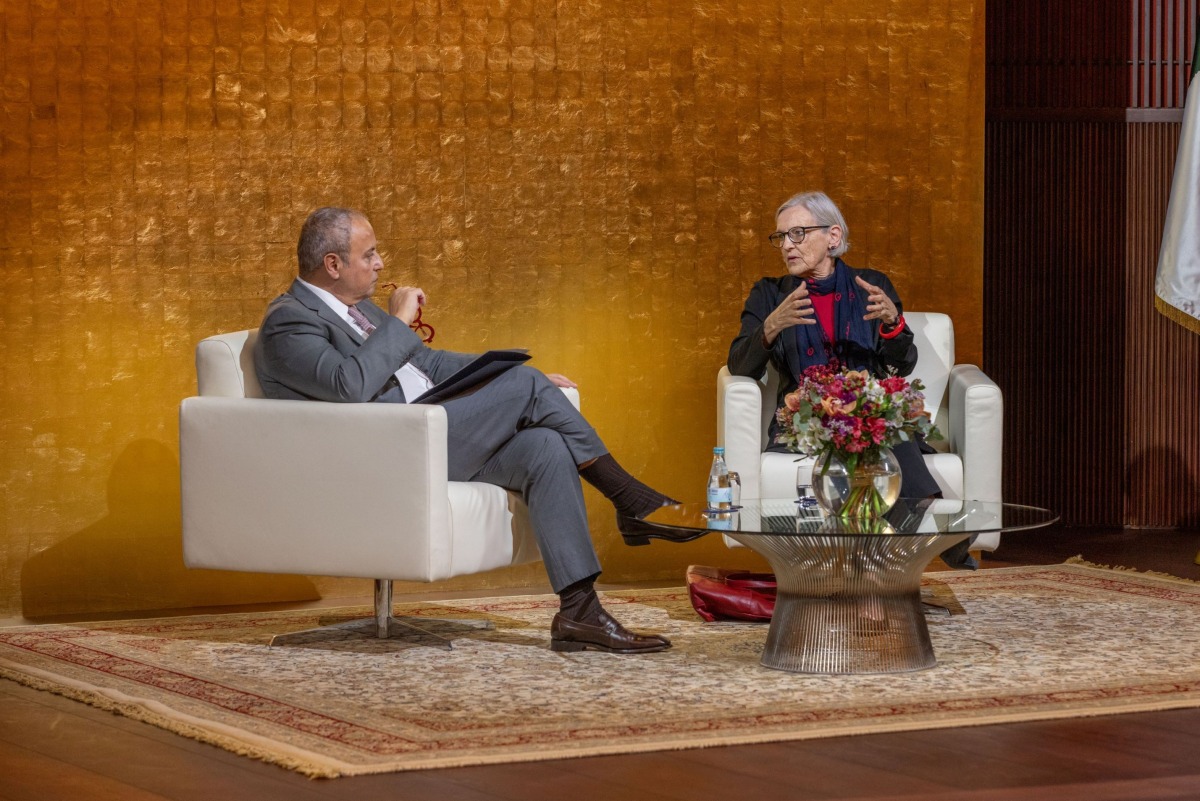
720,495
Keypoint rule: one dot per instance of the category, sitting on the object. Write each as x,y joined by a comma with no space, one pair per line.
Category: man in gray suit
325,340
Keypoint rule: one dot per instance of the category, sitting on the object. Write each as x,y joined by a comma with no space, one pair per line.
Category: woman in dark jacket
825,310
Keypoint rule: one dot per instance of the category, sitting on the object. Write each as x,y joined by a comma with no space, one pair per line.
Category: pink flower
792,401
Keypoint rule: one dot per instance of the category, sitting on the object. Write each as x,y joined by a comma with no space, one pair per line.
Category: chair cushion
477,512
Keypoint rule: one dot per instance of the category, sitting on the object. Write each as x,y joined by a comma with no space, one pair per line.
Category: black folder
479,371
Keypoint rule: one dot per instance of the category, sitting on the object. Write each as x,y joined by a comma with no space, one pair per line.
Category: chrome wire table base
867,634
848,604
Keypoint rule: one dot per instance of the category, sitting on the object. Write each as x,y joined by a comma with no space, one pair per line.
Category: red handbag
719,593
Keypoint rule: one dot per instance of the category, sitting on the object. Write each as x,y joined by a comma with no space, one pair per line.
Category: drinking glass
735,490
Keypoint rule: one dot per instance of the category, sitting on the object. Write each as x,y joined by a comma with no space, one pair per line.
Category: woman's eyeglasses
796,234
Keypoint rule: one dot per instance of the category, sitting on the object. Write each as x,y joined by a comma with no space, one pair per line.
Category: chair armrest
975,430
270,485
739,427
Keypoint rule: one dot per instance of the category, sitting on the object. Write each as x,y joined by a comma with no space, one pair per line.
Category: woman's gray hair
327,230
824,212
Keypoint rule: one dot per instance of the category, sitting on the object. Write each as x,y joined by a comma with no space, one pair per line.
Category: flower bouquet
849,420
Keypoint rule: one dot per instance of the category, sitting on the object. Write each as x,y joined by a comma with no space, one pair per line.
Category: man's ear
332,265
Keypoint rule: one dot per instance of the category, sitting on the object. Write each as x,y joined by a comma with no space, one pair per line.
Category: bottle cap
719,450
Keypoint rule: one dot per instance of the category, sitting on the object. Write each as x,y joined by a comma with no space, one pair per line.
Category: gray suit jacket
305,351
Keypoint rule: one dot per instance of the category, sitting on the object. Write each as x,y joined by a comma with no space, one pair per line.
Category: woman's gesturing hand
879,305
796,309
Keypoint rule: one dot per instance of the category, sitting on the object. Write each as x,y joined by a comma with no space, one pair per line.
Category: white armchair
331,489
966,406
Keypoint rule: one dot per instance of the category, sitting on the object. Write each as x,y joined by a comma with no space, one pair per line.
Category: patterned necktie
360,320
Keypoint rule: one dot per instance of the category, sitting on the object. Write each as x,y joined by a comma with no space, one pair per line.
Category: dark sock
579,602
631,497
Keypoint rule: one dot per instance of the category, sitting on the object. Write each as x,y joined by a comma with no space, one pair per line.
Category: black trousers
916,480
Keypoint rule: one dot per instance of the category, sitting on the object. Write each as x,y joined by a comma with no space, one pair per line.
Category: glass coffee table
849,592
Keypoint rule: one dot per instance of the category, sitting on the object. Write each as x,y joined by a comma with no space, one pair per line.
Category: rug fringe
1079,560
140,713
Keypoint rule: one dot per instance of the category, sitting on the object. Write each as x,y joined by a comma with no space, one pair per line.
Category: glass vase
864,493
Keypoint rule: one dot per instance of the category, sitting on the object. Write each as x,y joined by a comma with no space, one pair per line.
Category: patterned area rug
1035,643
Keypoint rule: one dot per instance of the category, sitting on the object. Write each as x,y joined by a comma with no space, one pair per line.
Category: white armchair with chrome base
332,489
965,405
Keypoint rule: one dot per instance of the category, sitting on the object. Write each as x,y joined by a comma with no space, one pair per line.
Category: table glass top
910,516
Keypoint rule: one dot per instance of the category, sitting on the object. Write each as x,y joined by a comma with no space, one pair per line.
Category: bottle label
718,496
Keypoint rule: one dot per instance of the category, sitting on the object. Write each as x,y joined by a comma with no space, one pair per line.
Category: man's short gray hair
327,230
824,212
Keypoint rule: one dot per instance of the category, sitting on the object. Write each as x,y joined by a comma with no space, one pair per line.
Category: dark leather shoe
606,635
637,532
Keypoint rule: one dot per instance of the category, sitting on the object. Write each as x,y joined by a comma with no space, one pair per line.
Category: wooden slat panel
1162,359
1161,33
1090,53
1054,256
1058,55
1101,390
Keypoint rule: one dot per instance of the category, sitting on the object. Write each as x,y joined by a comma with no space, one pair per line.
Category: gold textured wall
591,180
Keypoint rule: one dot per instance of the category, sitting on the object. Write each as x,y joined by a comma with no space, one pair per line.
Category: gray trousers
521,433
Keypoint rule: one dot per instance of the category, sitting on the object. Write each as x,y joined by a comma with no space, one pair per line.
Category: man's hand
560,380
404,303
879,305
796,309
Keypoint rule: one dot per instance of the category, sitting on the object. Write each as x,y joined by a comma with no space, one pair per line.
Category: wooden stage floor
52,748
